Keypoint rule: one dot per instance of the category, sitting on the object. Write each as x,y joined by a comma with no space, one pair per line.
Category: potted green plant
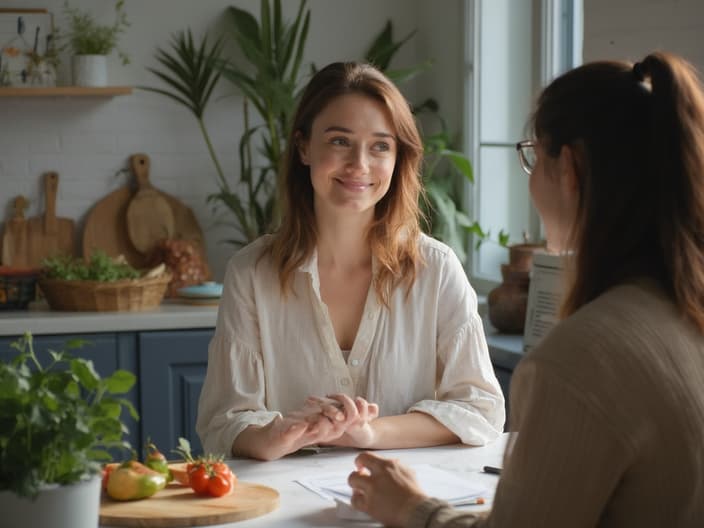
57,421
92,42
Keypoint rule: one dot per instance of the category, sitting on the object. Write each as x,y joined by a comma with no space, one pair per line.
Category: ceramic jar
508,302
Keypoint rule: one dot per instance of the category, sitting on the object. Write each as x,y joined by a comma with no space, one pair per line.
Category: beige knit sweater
609,411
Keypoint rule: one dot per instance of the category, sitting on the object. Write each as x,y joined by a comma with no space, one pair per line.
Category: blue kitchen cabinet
108,352
172,366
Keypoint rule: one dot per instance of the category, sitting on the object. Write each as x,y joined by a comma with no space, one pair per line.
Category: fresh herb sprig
100,267
57,420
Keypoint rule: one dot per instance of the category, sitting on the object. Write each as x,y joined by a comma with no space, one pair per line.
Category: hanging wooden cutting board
178,506
14,236
47,235
106,226
149,215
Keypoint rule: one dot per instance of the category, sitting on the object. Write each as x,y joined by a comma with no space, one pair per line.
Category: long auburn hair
394,232
638,131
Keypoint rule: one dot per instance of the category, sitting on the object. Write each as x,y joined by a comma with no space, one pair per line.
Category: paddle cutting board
177,506
14,236
149,215
47,235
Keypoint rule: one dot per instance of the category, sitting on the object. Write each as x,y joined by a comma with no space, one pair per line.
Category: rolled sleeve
469,401
233,394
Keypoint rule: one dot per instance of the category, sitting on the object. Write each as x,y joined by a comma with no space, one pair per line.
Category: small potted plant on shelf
57,421
92,42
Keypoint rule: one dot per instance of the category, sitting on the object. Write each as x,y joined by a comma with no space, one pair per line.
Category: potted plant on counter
57,421
92,42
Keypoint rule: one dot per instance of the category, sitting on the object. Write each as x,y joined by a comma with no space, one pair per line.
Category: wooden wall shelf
67,91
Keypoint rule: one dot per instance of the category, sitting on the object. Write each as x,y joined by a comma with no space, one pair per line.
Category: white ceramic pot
74,506
89,70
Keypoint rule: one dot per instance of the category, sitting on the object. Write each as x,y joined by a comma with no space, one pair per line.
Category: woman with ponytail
609,408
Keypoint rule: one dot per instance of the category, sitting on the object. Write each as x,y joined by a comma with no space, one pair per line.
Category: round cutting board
178,506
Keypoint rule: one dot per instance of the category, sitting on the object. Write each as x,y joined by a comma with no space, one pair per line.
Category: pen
469,502
493,470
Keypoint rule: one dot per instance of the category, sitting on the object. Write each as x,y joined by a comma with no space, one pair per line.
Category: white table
301,507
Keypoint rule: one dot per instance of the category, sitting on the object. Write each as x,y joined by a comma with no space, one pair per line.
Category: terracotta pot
508,302
520,256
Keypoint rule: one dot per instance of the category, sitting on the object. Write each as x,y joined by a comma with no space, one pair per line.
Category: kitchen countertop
170,315
505,350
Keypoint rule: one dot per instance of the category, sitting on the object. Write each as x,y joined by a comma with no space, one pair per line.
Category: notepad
452,487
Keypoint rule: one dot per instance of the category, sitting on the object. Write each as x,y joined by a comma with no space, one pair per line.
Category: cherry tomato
198,479
213,479
219,485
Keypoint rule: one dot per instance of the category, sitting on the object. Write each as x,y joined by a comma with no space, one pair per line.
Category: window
511,50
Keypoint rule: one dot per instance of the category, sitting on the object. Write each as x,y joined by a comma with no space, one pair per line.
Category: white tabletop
301,507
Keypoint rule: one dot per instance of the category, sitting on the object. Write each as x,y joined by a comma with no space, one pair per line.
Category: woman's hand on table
384,489
349,420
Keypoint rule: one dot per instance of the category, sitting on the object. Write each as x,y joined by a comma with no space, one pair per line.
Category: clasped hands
336,420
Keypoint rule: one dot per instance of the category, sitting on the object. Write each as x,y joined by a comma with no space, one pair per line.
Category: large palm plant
270,81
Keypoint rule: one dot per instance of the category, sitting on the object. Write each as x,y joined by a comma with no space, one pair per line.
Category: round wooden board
177,506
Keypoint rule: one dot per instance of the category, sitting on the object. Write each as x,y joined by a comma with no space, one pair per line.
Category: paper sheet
457,489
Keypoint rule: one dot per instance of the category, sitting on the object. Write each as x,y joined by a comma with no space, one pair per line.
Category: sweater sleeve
560,468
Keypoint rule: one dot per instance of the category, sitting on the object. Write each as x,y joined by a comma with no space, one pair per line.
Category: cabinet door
108,352
172,368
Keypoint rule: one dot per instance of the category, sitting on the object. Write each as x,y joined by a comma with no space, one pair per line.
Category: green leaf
402,75
461,163
85,372
120,382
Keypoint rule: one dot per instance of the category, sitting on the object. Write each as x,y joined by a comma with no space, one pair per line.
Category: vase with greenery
57,421
91,42
270,80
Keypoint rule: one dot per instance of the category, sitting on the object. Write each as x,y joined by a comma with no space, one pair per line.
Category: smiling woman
353,162
348,296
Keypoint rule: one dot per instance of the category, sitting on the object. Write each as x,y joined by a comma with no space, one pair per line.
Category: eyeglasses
526,155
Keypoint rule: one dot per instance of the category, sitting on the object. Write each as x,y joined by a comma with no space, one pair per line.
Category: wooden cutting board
14,236
149,215
47,235
177,506
106,225
105,228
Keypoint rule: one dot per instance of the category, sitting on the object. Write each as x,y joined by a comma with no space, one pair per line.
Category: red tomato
219,485
213,479
198,479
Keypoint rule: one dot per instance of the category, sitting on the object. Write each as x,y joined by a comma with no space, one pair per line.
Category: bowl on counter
206,293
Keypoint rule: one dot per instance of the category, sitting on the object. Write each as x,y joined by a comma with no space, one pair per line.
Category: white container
89,70
74,506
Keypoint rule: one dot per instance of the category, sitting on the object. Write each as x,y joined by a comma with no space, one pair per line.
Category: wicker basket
94,296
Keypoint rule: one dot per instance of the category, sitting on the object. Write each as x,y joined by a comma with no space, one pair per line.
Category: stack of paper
454,488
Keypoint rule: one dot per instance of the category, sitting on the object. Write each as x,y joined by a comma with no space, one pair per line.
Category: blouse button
345,381
354,362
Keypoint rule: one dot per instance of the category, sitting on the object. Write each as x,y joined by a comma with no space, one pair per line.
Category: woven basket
95,296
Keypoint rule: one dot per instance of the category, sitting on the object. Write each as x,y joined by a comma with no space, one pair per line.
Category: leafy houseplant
58,419
87,37
91,42
270,83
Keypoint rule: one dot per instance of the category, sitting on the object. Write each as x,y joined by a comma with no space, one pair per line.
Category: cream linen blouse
425,353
